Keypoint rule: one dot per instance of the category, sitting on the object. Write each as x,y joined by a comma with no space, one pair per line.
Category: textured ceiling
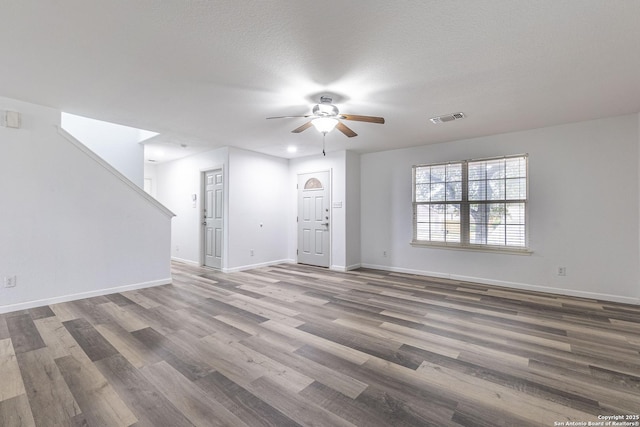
208,73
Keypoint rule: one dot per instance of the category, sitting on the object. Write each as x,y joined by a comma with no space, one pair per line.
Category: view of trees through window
469,203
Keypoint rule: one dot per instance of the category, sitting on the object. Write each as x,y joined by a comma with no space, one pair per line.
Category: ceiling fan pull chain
324,134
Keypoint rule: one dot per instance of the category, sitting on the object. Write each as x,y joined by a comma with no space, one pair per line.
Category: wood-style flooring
293,345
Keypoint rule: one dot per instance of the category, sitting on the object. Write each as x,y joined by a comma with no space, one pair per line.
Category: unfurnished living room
320,213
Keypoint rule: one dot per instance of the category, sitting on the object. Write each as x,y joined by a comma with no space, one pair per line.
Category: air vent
447,118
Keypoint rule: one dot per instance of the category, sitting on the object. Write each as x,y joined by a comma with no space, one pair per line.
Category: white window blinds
471,203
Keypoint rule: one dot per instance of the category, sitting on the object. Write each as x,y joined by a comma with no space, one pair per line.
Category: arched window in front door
313,184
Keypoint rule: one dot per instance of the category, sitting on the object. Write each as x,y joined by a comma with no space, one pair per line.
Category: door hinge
297,220
297,252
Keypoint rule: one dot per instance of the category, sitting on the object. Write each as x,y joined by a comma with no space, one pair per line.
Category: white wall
151,174
258,198
118,145
177,182
352,210
256,192
259,189
583,210
69,227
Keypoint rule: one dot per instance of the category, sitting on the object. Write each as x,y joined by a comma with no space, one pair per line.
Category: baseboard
186,261
252,266
508,284
406,271
82,295
344,269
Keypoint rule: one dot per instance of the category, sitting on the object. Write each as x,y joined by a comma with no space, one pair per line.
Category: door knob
325,223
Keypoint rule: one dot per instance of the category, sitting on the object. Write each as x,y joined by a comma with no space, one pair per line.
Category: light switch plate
10,119
13,120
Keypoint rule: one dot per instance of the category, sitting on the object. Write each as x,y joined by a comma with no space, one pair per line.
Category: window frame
465,206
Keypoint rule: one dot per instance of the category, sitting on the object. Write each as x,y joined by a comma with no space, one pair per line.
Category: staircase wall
70,225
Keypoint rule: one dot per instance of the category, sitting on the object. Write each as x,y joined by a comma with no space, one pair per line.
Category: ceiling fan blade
368,119
344,129
301,128
289,117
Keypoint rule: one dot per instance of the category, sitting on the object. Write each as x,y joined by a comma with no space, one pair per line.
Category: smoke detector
447,118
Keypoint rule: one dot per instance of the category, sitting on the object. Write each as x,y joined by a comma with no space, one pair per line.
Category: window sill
473,248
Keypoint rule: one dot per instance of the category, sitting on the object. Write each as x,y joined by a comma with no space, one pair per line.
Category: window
313,184
478,204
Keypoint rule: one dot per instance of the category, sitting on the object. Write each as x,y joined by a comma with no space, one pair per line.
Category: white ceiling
208,73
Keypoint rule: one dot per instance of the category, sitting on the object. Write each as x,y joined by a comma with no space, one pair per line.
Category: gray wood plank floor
294,345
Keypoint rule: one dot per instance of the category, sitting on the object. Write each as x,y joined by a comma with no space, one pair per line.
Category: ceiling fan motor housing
325,108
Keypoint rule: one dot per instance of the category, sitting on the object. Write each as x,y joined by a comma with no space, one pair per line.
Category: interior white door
213,218
314,219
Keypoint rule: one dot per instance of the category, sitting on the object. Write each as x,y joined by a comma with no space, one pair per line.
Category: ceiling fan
325,116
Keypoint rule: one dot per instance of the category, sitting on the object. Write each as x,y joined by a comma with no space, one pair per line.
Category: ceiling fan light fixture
326,116
324,124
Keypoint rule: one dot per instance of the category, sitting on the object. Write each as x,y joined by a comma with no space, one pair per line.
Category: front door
213,215
313,219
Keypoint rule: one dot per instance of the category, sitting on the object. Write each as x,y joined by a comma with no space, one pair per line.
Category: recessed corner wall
345,204
583,210
255,200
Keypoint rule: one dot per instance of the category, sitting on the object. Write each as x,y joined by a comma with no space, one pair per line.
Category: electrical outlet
10,281
562,271
251,252
384,254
